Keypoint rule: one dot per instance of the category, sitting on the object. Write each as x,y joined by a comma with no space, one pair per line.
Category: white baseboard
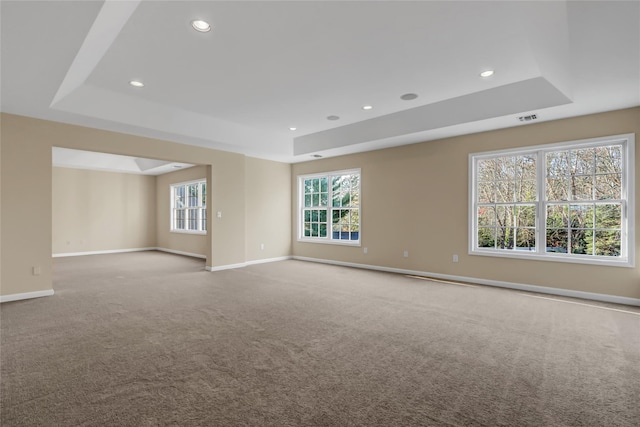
509,285
266,260
111,251
171,251
244,264
26,295
225,267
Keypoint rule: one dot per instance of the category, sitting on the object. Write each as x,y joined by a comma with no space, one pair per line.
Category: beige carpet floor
151,339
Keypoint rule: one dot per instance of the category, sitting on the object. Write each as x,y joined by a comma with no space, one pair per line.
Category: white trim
509,285
323,241
26,295
194,232
549,256
111,251
225,267
266,260
247,263
171,251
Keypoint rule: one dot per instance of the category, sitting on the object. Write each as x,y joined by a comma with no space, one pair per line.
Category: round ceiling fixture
487,73
367,107
333,118
292,128
136,83
200,25
408,96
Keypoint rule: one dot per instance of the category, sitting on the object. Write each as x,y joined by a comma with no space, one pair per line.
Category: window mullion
541,198
329,207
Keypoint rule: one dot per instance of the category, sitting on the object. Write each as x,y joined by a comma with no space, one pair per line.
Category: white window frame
329,239
627,247
200,208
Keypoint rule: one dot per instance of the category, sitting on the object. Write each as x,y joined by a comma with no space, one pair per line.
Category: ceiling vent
528,118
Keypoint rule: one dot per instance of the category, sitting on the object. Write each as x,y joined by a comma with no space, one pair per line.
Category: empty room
319,213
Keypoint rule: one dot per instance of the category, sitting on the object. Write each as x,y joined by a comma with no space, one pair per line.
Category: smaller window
189,207
330,207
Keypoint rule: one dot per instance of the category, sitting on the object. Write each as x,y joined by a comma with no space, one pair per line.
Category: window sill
355,243
618,262
197,233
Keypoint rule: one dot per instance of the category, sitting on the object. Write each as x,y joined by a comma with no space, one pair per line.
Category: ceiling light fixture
367,107
292,128
200,25
136,83
408,96
333,118
487,73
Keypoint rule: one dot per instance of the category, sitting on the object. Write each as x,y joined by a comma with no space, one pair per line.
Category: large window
569,202
330,207
189,207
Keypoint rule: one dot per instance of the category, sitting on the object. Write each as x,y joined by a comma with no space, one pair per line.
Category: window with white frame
189,207
329,207
570,202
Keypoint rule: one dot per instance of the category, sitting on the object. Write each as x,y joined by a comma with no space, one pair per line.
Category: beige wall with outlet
415,198
102,211
26,194
195,244
268,203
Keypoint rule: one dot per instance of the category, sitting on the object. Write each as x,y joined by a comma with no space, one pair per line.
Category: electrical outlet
366,250
455,258
406,254
36,271
219,214
262,246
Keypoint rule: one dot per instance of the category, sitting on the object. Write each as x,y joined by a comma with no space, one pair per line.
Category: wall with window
100,211
191,243
416,199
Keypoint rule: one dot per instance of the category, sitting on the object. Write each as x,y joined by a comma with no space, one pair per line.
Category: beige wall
268,204
98,211
26,193
415,198
412,196
26,209
182,242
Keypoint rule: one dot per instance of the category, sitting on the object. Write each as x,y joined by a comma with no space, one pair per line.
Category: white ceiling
80,159
267,66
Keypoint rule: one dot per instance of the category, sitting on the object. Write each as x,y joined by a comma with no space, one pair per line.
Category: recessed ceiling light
292,128
408,96
136,83
487,73
367,107
200,25
333,118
